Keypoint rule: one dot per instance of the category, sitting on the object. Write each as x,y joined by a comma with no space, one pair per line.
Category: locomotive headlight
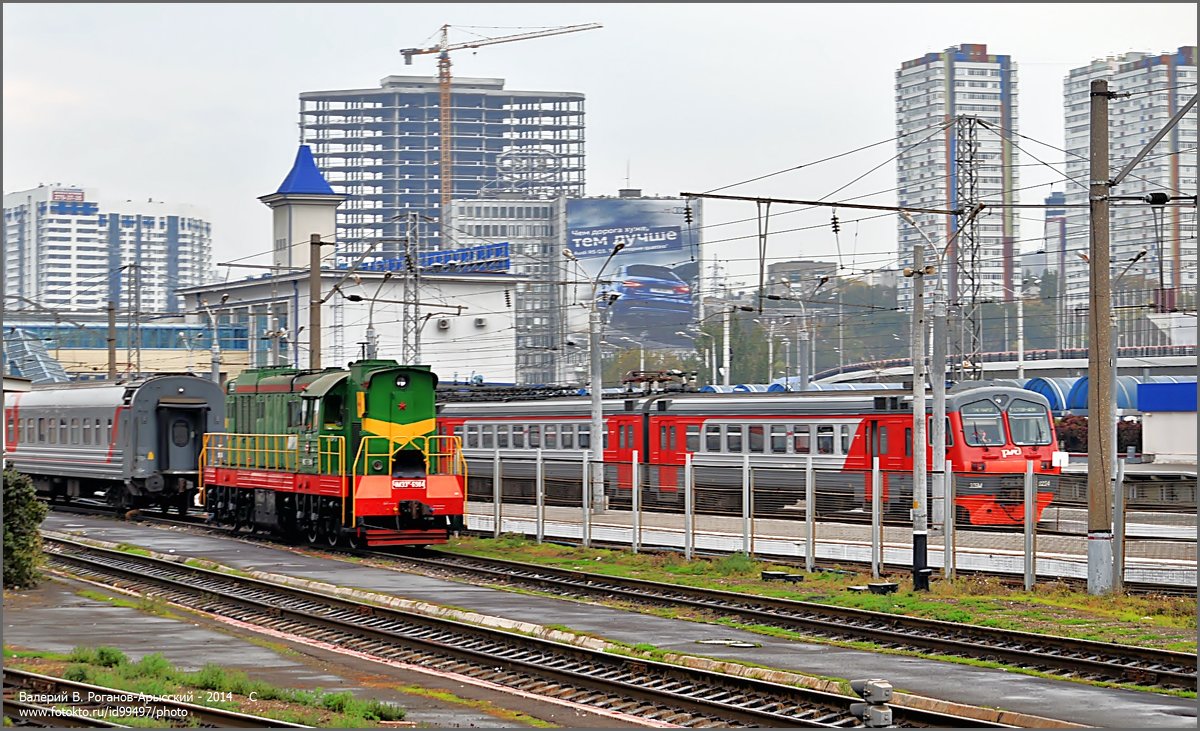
377,465
401,381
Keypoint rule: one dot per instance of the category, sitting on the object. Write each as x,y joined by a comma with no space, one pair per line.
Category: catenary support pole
943,512
1100,357
920,516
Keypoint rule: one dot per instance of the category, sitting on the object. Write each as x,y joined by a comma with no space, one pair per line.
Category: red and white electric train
992,432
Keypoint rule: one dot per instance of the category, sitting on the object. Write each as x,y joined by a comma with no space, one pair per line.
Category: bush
23,516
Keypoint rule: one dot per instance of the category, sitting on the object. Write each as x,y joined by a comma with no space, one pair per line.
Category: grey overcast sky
198,103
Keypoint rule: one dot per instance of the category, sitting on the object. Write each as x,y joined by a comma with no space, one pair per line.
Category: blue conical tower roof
305,178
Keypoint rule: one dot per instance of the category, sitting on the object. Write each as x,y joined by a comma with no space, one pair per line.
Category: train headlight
377,465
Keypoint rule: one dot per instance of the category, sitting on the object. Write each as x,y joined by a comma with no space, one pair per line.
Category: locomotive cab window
1028,422
334,405
982,424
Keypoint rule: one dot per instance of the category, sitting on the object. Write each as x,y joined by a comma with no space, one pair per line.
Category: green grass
155,675
1153,621
148,604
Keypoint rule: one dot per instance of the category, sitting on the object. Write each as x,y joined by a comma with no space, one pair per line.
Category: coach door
181,433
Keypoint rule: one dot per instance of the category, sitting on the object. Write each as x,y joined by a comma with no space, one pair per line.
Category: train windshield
1029,422
982,424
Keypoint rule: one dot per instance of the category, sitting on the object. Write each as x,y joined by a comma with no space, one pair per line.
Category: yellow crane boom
443,48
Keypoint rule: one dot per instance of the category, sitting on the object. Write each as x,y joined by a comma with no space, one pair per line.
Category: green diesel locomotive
337,455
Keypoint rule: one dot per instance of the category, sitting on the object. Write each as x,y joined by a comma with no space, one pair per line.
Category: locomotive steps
902,700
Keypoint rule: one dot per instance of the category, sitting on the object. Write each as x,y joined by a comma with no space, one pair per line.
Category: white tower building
931,92
1150,90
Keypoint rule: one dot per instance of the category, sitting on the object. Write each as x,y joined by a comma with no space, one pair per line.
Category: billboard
647,291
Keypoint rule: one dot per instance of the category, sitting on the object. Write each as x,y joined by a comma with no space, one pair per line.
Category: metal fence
800,513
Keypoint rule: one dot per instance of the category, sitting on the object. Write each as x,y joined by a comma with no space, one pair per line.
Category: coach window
825,439
692,438
585,436
535,437
845,432
778,439
486,437
733,438
472,440
31,430
883,445
566,436
712,438
108,435
754,438
502,436
550,436
75,436
62,431
518,437
802,439
10,429
663,430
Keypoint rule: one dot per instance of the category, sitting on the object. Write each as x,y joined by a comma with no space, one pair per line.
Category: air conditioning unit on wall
480,321
444,323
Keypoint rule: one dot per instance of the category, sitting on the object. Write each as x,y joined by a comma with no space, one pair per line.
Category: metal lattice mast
965,268
411,313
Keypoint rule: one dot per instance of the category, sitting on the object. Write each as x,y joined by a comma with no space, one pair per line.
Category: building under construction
381,148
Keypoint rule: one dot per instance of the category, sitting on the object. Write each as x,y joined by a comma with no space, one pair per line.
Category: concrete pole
595,389
216,348
943,511
1100,356
112,340
726,347
802,349
920,516
314,302
1021,333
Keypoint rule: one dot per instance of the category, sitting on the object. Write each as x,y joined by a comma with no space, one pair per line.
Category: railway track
58,703
658,693
1060,656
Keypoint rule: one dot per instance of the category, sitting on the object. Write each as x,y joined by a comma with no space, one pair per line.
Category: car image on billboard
645,295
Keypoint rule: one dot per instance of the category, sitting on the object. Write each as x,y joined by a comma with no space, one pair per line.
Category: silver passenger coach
136,444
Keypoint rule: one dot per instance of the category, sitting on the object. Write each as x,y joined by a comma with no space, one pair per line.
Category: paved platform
964,684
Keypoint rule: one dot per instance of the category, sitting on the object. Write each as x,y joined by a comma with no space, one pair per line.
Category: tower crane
443,49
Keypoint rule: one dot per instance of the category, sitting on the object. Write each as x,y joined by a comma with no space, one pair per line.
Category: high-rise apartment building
956,118
1149,90
68,250
381,149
